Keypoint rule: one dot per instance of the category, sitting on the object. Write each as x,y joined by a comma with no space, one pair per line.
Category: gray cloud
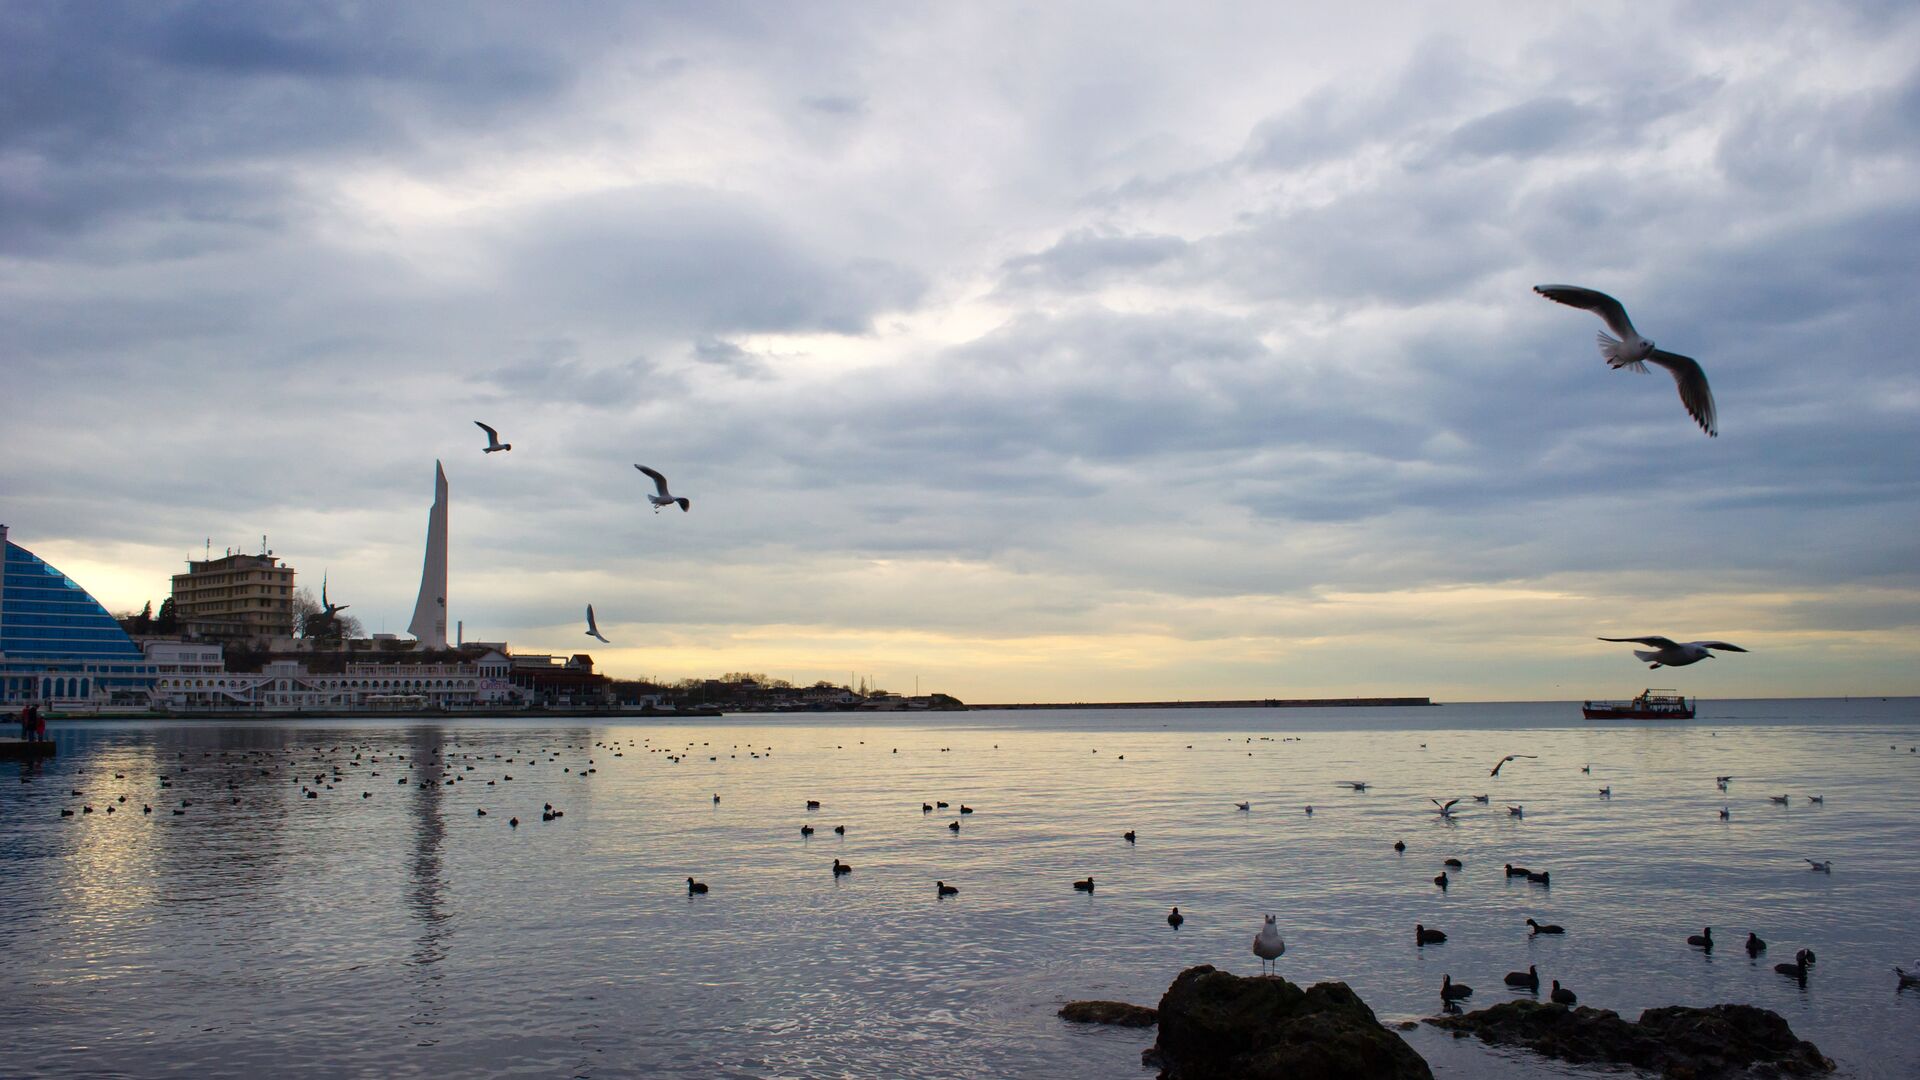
1045,352
695,262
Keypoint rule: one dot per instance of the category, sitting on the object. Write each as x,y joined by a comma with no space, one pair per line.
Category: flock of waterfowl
335,768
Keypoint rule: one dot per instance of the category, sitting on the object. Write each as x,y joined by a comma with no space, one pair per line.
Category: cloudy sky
1038,352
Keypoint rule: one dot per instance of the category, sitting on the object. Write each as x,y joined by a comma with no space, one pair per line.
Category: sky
1065,352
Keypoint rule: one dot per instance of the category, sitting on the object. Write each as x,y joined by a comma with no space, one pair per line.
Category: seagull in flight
494,445
1498,765
1446,808
1630,350
1670,653
593,628
665,497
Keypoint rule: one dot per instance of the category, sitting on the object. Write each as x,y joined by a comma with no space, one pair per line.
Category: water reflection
426,888
325,917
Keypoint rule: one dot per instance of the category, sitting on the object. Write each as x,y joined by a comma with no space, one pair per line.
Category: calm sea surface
398,932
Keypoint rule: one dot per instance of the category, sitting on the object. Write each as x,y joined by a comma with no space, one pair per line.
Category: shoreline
1241,703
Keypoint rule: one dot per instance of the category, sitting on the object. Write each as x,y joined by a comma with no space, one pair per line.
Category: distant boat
1650,705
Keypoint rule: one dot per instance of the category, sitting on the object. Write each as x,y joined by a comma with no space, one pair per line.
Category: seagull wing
1592,300
493,437
1655,640
658,480
1719,646
1694,393
592,627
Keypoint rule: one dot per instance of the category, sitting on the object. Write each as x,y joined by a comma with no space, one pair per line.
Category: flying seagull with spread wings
494,445
1670,653
1630,350
1502,763
593,628
665,497
1446,808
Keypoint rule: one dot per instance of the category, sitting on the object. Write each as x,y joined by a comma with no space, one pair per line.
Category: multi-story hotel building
235,598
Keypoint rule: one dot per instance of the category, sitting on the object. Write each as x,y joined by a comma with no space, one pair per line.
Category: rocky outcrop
1219,1026
1725,1042
1108,1012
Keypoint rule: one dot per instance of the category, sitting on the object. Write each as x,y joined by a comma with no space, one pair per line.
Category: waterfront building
287,686
549,680
239,598
58,645
429,624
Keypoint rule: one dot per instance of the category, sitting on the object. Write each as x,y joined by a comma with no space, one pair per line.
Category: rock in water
1219,1026
1108,1012
1725,1042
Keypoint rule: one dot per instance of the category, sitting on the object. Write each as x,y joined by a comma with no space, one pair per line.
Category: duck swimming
1702,940
1424,936
1797,969
1453,991
1561,995
1529,978
1549,928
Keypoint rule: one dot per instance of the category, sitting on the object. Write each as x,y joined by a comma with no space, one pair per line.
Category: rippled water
402,934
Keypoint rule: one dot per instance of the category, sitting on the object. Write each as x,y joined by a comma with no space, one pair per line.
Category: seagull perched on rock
1630,350
593,628
1670,653
494,445
1267,944
1501,764
665,497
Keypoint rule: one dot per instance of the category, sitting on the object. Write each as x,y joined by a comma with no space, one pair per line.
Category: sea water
401,933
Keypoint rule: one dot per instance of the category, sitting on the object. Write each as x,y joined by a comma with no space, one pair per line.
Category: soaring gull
494,445
1498,765
1670,653
665,497
593,628
1630,350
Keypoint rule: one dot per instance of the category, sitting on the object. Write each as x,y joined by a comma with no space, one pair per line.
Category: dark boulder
1725,1042
1220,1026
1108,1012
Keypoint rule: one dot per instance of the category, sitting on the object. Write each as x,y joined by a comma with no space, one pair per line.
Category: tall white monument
429,625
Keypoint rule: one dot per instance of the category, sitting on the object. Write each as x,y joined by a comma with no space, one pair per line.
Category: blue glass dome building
58,646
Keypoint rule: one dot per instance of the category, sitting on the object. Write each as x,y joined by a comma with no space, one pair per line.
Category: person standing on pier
26,723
